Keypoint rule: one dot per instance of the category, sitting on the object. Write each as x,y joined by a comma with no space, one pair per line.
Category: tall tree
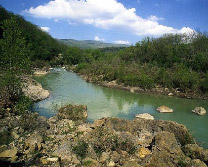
14,62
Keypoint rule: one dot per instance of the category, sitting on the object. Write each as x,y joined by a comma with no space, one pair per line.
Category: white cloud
155,18
106,14
46,29
186,30
122,42
96,38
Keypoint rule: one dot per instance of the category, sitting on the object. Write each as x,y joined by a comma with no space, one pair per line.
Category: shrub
23,104
80,149
204,83
184,78
81,67
28,121
106,141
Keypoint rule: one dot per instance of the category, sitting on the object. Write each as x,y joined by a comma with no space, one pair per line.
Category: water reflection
67,87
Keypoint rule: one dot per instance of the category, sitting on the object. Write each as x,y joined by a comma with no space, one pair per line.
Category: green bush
81,66
80,149
184,78
106,141
204,83
23,104
28,121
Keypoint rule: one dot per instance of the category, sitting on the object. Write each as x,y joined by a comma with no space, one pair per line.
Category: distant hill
89,44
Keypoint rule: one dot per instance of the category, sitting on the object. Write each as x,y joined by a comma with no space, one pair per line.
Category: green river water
67,87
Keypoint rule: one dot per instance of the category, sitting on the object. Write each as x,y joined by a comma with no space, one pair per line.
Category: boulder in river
164,109
199,111
145,116
34,90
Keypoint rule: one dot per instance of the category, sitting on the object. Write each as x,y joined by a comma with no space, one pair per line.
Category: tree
14,62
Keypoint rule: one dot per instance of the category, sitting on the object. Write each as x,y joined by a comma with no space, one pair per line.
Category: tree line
173,61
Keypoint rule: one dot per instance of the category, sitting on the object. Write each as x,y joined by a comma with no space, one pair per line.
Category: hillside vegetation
172,61
23,46
43,46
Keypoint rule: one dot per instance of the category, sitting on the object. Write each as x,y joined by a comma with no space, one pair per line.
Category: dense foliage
23,46
14,63
44,47
173,61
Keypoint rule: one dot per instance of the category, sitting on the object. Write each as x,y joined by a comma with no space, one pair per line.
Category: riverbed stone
40,72
145,116
164,109
33,142
104,157
111,164
15,135
199,111
197,163
144,138
170,94
131,164
143,152
9,153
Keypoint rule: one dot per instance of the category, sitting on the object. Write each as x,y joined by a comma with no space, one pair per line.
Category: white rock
145,116
15,135
8,153
199,111
40,72
54,159
132,90
164,109
111,164
35,91
170,94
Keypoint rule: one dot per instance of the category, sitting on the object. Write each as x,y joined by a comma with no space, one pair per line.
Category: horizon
112,21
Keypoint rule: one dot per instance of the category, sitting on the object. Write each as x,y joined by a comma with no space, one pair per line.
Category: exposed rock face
145,116
199,111
34,90
164,109
67,140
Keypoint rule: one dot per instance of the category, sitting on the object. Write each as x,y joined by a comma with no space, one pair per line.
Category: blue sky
114,21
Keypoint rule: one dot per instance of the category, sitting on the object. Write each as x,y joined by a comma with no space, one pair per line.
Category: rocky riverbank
158,90
68,140
34,90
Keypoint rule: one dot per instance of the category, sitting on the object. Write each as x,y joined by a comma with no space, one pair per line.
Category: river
67,87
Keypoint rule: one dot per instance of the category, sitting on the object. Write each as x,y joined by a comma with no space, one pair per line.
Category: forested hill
44,47
90,44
